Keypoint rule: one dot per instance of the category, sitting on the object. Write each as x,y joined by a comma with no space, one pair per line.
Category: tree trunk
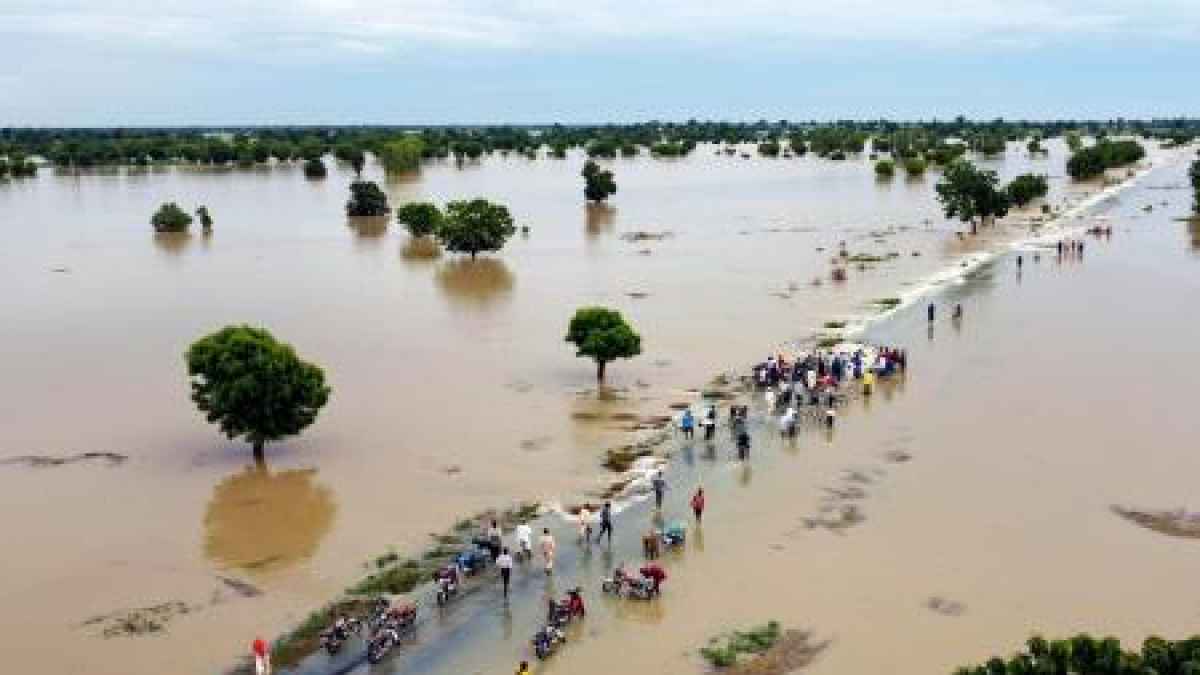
259,457
974,226
600,370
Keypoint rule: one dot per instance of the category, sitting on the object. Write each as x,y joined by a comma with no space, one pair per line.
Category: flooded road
453,391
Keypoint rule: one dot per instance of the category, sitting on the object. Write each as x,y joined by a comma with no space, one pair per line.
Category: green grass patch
395,580
723,651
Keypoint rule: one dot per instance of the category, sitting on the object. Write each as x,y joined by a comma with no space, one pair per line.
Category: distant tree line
402,148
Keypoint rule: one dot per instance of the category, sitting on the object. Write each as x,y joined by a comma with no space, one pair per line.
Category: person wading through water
698,504
605,523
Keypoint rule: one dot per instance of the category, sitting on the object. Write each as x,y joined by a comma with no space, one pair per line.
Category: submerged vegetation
723,651
366,199
1026,188
598,184
1086,654
170,218
1094,160
971,194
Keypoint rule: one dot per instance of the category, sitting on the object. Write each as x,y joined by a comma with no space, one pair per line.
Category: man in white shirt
504,561
546,543
524,535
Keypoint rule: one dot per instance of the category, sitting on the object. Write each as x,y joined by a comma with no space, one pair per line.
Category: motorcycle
387,635
570,607
547,639
475,560
623,584
446,580
335,636
673,536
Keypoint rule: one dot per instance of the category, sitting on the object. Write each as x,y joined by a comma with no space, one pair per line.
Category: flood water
453,391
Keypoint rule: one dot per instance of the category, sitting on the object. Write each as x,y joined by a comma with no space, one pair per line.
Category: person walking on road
546,543
698,504
660,486
605,523
523,669
585,524
524,537
687,424
504,562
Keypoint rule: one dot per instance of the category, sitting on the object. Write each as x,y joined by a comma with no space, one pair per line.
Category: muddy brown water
453,391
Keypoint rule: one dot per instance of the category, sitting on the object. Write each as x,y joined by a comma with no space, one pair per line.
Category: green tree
1074,141
1105,154
366,199
475,225
598,183
603,335
314,168
915,166
254,387
769,149
402,154
420,218
885,168
971,194
1026,188
206,221
170,218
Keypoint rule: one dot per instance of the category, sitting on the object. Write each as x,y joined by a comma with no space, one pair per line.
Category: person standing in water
523,669
605,523
524,537
687,424
698,504
660,486
929,312
585,524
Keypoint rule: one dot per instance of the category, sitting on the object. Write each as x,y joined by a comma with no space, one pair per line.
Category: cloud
374,27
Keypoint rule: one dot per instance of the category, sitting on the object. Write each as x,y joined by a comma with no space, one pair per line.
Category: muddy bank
1175,523
43,461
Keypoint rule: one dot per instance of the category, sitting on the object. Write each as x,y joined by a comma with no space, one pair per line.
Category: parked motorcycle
547,640
673,535
446,582
475,560
393,623
336,635
623,584
570,607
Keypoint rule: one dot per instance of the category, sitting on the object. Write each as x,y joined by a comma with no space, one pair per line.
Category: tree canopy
598,184
603,335
420,218
254,387
474,226
402,154
315,168
885,168
366,199
971,194
1026,188
1094,160
170,218
1087,655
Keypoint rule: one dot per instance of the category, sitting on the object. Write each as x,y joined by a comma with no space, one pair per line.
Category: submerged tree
315,168
885,168
474,226
402,154
915,166
603,335
206,221
254,387
970,194
420,218
366,199
1194,175
1026,188
598,184
170,218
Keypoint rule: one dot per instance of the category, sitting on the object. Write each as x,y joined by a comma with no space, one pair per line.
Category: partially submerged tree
366,199
402,154
970,194
170,218
1194,175
915,166
1026,188
253,386
206,221
598,184
603,335
420,218
474,226
885,168
315,168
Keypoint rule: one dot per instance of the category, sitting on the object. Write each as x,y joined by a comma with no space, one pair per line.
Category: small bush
723,651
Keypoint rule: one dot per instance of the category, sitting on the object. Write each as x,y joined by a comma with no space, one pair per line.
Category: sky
217,62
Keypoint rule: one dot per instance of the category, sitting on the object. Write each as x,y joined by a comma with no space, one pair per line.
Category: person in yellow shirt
868,382
524,669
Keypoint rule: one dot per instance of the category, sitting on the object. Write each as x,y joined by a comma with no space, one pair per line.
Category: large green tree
598,184
603,335
314,168
253,386
402,154
170,218
472,226
970,194
1026,188
421,218
366,199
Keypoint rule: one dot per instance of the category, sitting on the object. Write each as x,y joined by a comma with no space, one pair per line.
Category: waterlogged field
453,388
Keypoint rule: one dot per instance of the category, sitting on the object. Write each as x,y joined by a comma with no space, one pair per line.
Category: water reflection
476,283
368,227
420,250
599,219
262,521
1194,229
172,243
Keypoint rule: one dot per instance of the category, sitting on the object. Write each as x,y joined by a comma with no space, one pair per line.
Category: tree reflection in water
475,283
262,521
599,219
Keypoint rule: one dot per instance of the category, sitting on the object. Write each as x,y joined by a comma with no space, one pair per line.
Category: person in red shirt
698,504
262,657
655,574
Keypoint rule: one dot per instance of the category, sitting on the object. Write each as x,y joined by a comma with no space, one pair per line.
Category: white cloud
372,27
